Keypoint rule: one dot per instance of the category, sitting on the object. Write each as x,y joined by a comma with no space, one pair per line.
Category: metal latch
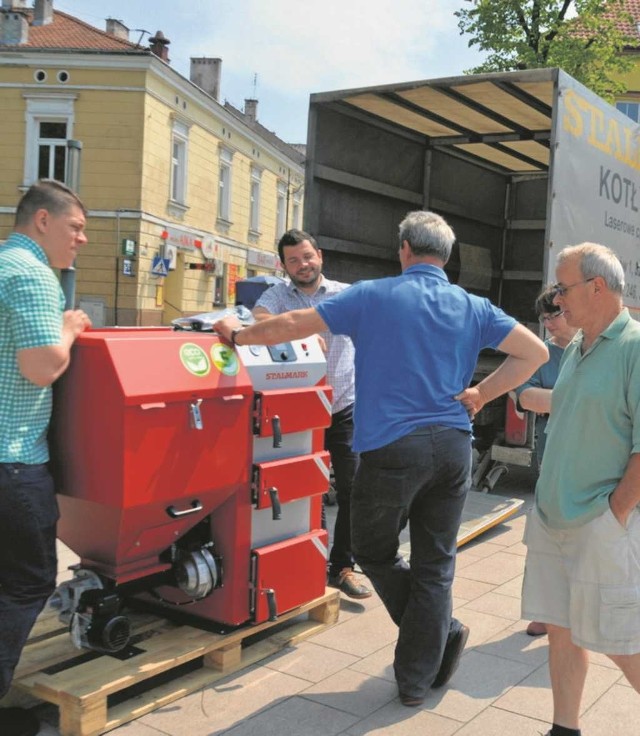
196,415
275,504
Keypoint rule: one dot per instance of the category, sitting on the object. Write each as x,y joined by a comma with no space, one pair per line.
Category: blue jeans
337,440
28,562
421,479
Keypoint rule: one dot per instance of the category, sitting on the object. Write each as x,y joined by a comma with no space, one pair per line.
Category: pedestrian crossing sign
160,266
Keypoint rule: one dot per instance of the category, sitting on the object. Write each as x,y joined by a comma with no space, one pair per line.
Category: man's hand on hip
472,400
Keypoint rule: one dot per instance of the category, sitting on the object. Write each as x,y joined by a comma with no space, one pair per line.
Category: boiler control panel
294,364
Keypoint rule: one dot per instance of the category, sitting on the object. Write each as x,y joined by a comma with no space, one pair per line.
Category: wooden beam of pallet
82,690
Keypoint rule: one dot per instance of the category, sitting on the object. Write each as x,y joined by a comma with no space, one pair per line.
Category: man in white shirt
302,260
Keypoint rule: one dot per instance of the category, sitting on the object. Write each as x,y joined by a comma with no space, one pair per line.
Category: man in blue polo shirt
36,335
417,339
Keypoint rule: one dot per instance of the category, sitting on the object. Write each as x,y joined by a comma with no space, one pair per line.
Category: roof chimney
117,29
206,72
251,109
14,25
42,13
159,46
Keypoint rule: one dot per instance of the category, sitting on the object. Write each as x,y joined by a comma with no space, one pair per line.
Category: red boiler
190,479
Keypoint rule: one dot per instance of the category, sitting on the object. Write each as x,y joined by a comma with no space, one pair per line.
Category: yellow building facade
175,182
629,102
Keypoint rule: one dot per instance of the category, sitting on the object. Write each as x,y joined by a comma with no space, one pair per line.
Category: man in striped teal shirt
36,336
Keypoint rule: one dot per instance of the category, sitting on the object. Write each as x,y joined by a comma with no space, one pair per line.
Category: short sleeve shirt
547,374
417,339
340,352
545,377
594,425
31,307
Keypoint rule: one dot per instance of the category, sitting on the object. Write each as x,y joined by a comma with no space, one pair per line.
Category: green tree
586,38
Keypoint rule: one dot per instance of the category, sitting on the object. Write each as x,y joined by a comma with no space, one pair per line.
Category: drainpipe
72,180
117,280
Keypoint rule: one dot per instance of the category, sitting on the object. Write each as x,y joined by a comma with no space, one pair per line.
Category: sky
281,51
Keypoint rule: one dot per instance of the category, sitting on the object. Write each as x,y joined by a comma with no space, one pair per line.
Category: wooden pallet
98,695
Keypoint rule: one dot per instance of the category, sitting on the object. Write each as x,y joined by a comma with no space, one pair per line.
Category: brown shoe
535,628
410,701
348,584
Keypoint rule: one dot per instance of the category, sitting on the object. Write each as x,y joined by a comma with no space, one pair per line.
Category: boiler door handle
271,604
275,504
175,514
277,431
196,415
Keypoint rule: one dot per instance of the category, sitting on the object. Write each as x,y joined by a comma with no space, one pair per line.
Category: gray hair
428,234
596,260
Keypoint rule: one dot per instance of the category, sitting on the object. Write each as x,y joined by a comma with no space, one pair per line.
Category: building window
630,109
52,150
224,185
254,213
281,209
49,125
297,209
178,158
179,141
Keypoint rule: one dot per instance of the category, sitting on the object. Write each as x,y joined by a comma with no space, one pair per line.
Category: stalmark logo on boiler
279,376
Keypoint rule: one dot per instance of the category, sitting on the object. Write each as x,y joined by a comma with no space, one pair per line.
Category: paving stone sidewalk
341,680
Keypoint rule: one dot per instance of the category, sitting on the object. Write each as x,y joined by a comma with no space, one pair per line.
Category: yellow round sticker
225,359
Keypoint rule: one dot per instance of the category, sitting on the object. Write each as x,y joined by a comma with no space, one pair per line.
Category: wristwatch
234,333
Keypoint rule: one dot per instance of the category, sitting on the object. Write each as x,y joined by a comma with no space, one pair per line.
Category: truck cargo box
520,164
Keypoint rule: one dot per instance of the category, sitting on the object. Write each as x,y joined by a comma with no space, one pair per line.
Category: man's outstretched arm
287,326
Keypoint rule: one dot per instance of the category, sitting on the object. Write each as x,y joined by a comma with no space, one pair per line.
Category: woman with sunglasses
535,394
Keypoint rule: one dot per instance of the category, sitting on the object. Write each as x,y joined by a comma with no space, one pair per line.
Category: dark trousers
421,479
337,441
28,563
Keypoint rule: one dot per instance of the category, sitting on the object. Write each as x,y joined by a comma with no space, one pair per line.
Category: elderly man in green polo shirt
36,336
582,575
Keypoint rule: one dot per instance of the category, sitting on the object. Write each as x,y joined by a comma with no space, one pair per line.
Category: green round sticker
225,359
194,359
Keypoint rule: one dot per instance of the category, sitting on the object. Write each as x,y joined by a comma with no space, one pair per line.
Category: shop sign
262,259
233,274
211,248
182,239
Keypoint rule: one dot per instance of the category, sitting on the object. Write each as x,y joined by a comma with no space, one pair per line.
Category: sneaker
348,584
18,722
451,657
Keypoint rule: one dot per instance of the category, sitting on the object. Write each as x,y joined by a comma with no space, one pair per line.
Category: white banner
596,181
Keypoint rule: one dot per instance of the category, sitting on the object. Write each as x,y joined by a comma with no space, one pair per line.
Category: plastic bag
204,322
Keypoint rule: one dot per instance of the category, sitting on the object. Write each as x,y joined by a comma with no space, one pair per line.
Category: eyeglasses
550,317
561,290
